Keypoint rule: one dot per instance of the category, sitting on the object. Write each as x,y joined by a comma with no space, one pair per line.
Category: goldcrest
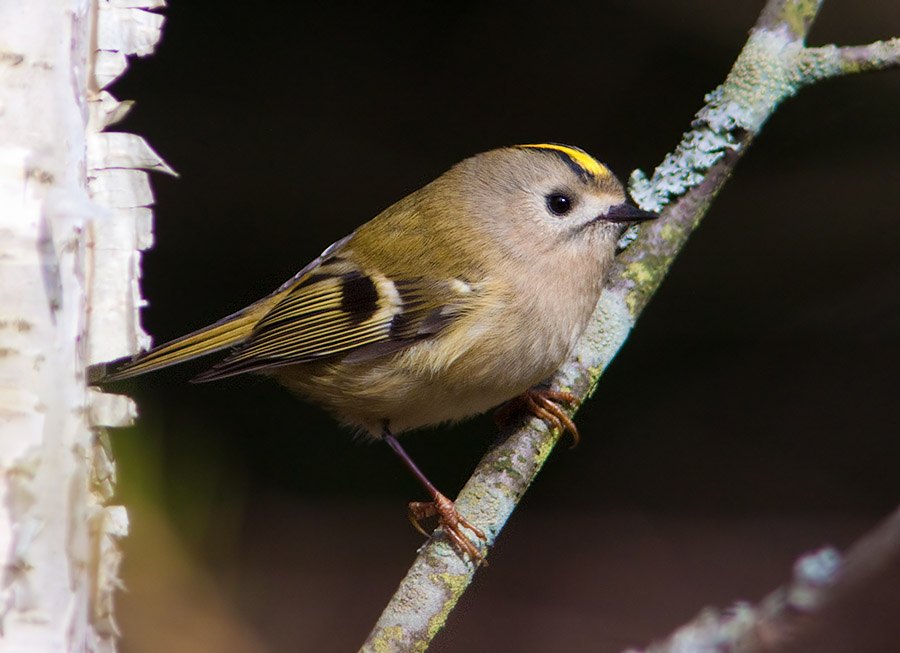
461,296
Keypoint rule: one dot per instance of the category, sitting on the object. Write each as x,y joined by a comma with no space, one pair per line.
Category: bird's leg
544,403
448,517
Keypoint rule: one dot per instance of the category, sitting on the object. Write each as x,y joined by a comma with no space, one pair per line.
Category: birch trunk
69,197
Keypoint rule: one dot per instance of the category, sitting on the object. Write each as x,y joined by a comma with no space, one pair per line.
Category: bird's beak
625,212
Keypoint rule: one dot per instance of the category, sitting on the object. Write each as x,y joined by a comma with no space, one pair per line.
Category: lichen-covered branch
828,597
773,65
829,61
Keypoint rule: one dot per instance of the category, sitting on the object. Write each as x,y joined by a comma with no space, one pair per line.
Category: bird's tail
225,333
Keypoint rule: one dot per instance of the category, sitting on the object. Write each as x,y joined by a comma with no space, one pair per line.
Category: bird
464,295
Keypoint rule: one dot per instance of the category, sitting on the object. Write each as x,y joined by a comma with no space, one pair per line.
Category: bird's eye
559,204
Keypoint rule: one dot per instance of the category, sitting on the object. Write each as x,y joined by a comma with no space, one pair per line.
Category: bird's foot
451,521
543,403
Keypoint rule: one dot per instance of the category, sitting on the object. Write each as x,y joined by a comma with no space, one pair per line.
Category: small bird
465,294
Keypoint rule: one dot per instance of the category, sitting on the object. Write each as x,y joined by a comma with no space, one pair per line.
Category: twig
773,65
829,605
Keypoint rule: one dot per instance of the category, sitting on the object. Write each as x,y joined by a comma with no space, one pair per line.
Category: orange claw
448,517
451,521
543,403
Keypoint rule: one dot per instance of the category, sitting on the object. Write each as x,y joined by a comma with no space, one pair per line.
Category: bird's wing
340,308
227,333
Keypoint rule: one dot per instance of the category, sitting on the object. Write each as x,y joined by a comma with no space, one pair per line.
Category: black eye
559,204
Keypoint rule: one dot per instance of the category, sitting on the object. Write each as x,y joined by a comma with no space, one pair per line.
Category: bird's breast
512,337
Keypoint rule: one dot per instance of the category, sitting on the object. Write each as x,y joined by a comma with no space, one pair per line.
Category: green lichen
506,465
388,640
646,274
639,273
797,15
544,447
670,232
456,584
453,582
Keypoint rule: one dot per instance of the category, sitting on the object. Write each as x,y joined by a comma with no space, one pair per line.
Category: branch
827,606
830,61
773,65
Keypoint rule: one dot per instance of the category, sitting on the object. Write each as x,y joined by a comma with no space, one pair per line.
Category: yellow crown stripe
584,160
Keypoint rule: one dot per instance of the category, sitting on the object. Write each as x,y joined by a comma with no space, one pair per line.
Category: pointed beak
627,213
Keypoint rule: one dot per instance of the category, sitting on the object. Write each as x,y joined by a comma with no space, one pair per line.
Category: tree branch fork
773,65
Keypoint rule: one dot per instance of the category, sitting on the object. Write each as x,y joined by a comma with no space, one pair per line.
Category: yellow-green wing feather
334,306
340,309
226,333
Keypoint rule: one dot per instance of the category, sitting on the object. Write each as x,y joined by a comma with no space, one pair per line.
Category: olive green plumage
458,297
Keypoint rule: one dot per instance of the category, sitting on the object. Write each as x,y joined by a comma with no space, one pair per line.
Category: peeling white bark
69,197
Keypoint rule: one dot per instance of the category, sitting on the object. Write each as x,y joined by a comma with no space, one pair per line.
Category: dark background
751,417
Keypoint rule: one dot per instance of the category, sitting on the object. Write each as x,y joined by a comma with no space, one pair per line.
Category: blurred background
751,417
